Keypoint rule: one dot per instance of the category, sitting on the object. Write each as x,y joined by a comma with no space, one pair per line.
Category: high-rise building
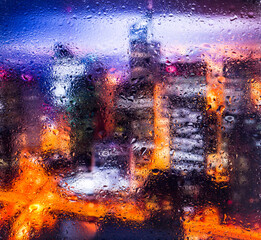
136,104
241,122
72,88
187,95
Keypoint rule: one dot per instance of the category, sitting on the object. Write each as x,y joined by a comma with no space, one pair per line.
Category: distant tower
66,70
140,59
74,93
137,105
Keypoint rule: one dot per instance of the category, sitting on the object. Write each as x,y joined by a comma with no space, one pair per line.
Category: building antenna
149,10
148,14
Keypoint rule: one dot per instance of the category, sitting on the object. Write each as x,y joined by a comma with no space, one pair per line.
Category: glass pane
130,120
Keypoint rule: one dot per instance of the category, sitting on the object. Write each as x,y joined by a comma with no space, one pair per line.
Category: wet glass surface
130,120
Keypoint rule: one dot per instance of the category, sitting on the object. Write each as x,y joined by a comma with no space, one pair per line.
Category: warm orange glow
35,199
217,163
90,228
160,158
114,76
255,89
56,137
161,154
215,95
207,224
27,199
107,95
139,175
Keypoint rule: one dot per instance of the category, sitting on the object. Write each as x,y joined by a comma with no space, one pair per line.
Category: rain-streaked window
130,120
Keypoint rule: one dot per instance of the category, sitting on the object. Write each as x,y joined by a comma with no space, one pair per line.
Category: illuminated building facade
137,100
187,95
73,87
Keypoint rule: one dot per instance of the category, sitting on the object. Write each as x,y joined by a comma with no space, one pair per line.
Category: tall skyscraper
187,96
136,105
72,88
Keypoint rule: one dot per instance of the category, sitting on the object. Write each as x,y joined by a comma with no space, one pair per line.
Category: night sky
102,27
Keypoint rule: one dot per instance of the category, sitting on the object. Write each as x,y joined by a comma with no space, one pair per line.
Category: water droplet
229,118
250,14
233,18
155,171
